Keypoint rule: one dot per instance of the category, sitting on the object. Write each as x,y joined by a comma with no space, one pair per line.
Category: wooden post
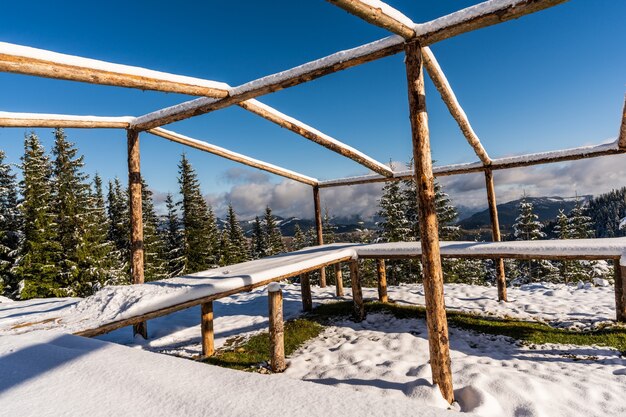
305,290
277,329
338,280
136,222
382,280
357,292
206,325
621,140
620,292
495,233
318,228
431,260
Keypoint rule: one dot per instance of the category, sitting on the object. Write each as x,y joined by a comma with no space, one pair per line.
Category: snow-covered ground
388,356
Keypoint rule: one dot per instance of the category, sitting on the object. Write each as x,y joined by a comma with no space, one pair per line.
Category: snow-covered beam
472,18
380,14
10,119
315,135
32,61
622,130
233,156
518,161
441,83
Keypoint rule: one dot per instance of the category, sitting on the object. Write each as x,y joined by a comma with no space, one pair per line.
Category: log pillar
136,219
305,290
495,233
319,229
621,141
620,291
382,280
436,319
338,280
206,325
277,329
357,292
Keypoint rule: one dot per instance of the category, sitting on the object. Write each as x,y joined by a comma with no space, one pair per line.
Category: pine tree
259,246
201,243
299,239
580,224
174,239
562,225
40,253
10,227
154,252
394,225
235,244
119,228
528,227
328,229
275,238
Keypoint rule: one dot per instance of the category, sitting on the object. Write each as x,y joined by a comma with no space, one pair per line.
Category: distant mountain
547,208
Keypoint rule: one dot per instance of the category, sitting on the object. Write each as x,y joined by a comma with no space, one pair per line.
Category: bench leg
382,280
620,292
206,325
277,329
357,292
305,289
338,280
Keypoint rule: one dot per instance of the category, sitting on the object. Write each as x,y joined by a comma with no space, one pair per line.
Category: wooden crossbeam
518,161
475,17
9,119
315,135
31,61
441,83
379,14
621,141
233,156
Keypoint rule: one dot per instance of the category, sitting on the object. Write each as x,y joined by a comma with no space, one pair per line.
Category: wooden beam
9,119
380,14
620,292
357,292
38,62
233,156
441,83
436,320
495,254
136,219
319,229
206,328
382,280
621,141
338,280
305,291
475,17
495,234
277,329
315,135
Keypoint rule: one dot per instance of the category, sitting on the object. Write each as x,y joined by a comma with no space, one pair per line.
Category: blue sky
551,80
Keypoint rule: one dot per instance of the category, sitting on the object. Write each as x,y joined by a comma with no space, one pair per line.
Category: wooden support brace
495,233
620,292
319,229
436,319
305,290
277,329
136,219
357,292
206,325
379,16
338,280
382,280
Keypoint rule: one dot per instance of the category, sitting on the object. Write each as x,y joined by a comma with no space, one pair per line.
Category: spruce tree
528,227
174,239
328,229
299,239
275,238
40,253
580,224
9,227
154,252
201,243
393,225
236,245
119,228
259,246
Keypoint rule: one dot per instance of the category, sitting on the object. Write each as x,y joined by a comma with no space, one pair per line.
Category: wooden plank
495,234
109,327
621,141
315,135
382,280
233,156
31,61
357,292
277,329
449,98
436,319
9,119
338,280
305,291
620,292
206,326
377,16
136,219
495,254
319,229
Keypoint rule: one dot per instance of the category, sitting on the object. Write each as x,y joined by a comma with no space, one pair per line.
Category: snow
622,223
273,287
75,61
563,153
53,374
38,116
389,11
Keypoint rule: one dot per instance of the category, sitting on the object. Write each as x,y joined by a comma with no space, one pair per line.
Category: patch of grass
250,353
